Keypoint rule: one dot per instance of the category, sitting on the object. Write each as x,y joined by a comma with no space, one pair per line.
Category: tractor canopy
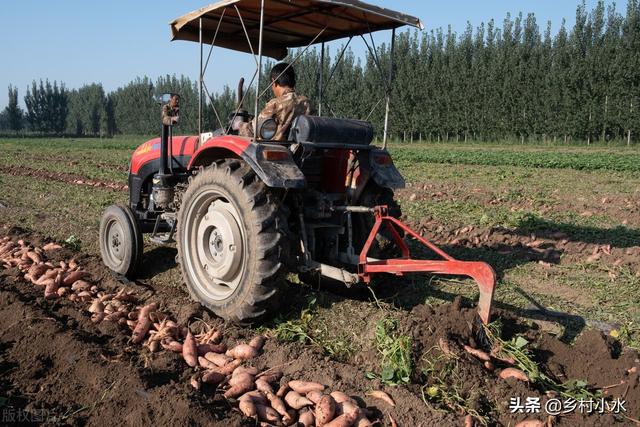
287,23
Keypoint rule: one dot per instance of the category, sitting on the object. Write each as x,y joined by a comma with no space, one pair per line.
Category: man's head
282,78
174,101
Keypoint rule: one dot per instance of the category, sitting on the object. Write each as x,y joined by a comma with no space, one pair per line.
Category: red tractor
246,211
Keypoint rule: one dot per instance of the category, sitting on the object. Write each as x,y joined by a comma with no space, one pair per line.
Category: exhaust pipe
162,181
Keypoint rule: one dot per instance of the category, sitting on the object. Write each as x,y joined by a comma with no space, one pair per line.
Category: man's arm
268,112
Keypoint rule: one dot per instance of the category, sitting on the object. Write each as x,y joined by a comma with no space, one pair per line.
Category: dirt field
564,240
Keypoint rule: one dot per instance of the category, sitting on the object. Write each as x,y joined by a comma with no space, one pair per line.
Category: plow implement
481,272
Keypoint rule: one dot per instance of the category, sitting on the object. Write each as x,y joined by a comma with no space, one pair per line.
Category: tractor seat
331,130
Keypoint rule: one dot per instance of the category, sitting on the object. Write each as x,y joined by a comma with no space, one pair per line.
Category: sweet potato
132,325
257,342
254,396
277,403
513,373
213,377
265,387
211,348
344,420
190,350
206,364
196,379
242,352
51,290
304,387
296,401
271,376
290,418
242,378
230,367
85,296
325,410
115,316
248,408
74,276
63,292
238,389
154,346
51,247
379,394
468,421
80,285
251,370
531,423
284,388
307,419
217,358
362,421
268,414
315,396
340,397
125,296
171,345
482,355
347,407
143,324
96,307
36,271
37,259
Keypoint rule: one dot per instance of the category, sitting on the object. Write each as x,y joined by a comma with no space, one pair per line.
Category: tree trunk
604,120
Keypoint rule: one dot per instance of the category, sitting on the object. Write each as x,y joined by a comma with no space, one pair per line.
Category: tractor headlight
267,129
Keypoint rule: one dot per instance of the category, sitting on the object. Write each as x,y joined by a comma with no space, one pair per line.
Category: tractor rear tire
232,244
121,243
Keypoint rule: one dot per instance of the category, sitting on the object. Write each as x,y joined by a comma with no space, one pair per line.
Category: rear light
275,155
383,159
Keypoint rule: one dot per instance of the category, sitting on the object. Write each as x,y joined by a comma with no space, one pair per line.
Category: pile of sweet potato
262,396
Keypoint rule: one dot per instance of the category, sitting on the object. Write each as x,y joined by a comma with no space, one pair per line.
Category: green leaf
520,342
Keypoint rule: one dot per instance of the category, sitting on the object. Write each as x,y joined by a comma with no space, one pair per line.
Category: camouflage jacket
283,110
167,114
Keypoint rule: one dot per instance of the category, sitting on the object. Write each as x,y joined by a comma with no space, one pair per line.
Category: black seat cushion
331,130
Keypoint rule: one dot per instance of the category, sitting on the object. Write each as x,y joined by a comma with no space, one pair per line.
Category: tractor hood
287,23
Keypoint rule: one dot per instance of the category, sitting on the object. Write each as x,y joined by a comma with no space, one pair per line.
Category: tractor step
164,238
481,272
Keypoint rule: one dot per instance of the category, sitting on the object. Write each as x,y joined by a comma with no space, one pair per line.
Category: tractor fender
279,171
378,165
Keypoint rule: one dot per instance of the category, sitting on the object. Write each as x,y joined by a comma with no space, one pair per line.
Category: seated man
285,107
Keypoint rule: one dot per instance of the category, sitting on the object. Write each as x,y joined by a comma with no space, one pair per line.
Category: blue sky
80,42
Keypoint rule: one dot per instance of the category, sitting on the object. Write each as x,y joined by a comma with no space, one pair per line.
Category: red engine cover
150,150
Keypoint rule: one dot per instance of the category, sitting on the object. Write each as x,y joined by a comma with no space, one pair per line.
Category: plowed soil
55,361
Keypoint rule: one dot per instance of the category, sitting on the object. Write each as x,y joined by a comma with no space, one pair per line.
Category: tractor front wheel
231,242
121,243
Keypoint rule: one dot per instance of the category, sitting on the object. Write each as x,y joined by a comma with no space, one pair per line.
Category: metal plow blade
481,272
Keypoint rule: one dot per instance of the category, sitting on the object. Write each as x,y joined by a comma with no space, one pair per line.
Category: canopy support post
200,82
255,119
388,100
321,80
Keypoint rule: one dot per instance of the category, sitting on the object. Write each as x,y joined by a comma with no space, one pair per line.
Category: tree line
508,81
